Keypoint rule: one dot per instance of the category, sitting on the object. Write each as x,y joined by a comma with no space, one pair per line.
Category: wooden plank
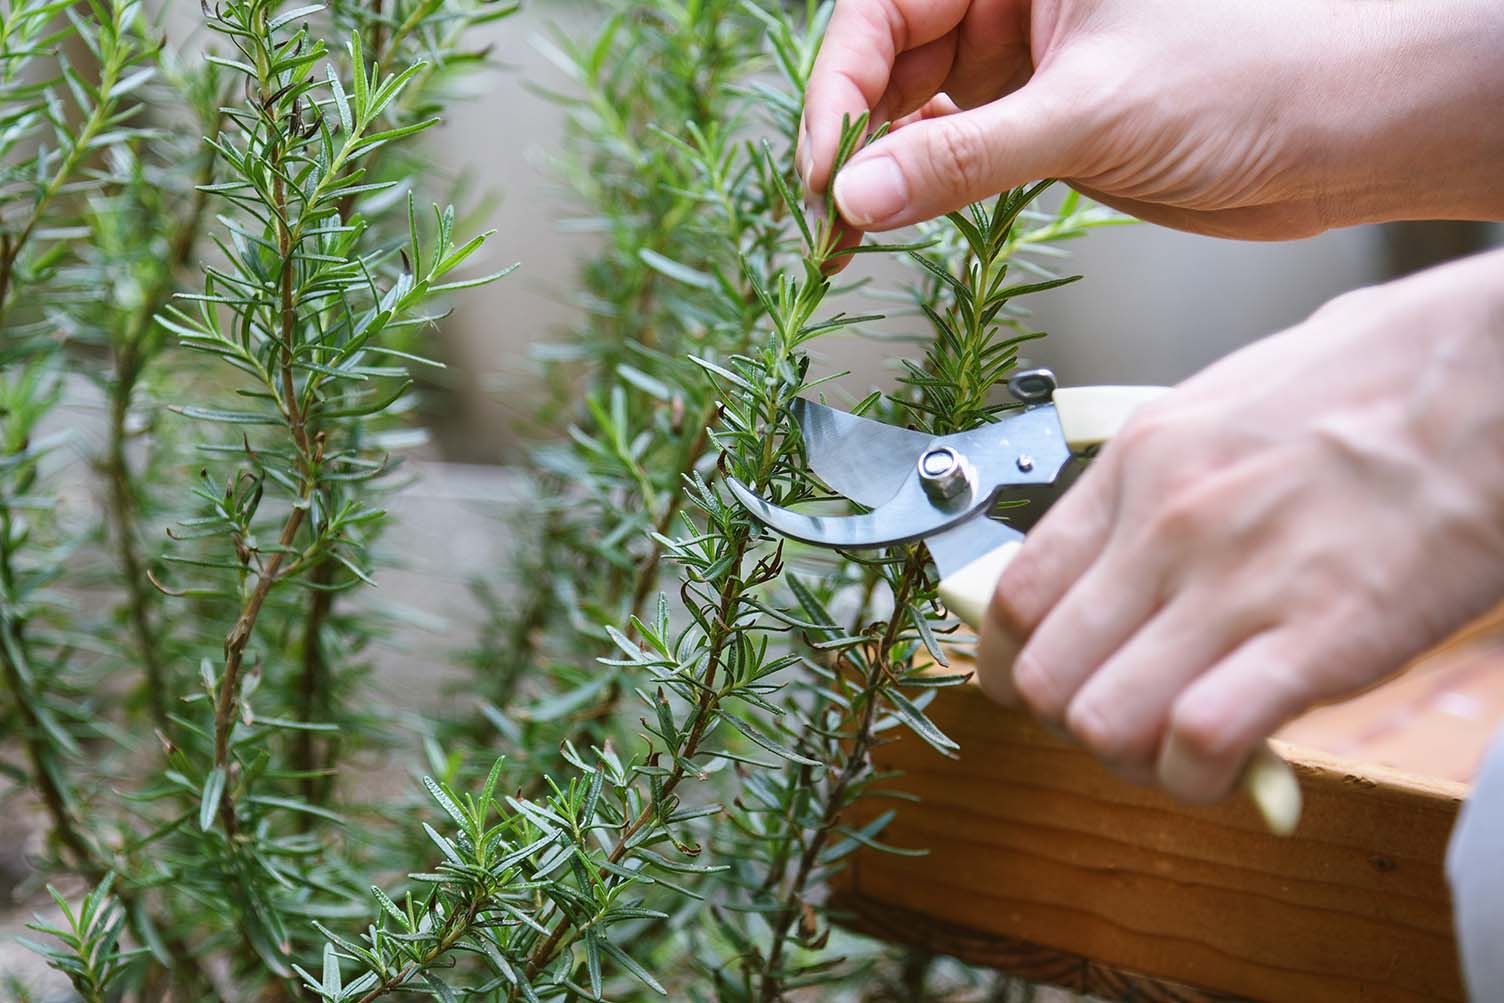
1043,864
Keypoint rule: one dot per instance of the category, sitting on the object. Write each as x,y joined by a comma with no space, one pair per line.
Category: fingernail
870,191
1189,777
806,163
814,213
996,653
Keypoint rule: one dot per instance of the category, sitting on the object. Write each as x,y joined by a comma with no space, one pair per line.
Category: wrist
1404,112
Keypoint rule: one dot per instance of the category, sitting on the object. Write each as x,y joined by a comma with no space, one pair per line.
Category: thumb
938,165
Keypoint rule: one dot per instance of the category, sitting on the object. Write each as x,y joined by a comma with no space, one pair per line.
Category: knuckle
1036,688
1152,430
1291,685
1202,735
958,154
1095,730
1187,514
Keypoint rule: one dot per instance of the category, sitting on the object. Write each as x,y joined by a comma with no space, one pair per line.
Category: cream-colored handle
1271,785
1090,416
967,591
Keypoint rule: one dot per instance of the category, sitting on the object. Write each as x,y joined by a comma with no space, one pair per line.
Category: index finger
852,71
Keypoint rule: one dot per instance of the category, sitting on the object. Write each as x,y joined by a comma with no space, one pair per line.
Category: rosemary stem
122,515
855,763
703,713
129,364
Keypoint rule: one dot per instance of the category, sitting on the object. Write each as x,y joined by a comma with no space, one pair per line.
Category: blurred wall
504,138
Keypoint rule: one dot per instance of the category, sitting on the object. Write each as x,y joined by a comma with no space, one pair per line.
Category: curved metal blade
908,515
954,537
864,460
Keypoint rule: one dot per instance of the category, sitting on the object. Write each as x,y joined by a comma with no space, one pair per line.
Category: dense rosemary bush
673,712
749,682
272,160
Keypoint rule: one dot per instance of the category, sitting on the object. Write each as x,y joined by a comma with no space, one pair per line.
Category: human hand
1262,121
1287,527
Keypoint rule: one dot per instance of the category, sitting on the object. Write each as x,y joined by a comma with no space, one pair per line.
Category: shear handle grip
1090,416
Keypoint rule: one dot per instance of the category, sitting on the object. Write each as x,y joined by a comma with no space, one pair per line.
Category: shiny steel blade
864,460
955,538
908,515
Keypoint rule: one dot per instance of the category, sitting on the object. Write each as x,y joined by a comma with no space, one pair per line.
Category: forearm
1407,111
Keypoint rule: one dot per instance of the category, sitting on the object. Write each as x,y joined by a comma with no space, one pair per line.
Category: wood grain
1033,962
1043,864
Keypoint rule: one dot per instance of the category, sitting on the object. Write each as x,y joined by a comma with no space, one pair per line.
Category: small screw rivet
1026,463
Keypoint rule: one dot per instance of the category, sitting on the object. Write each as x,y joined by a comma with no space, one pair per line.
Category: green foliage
763,686
668,751
51,125
318,279
91,955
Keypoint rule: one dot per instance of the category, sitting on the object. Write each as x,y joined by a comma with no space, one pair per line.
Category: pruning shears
946,491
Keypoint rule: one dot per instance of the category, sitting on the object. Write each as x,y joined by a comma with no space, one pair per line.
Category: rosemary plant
700,313
90,953
56,121
303,308
317,285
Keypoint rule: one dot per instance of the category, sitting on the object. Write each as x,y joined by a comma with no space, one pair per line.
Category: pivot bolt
944,473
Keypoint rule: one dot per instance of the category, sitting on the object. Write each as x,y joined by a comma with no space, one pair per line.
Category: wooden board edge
1414,811
1323,767
1034,963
